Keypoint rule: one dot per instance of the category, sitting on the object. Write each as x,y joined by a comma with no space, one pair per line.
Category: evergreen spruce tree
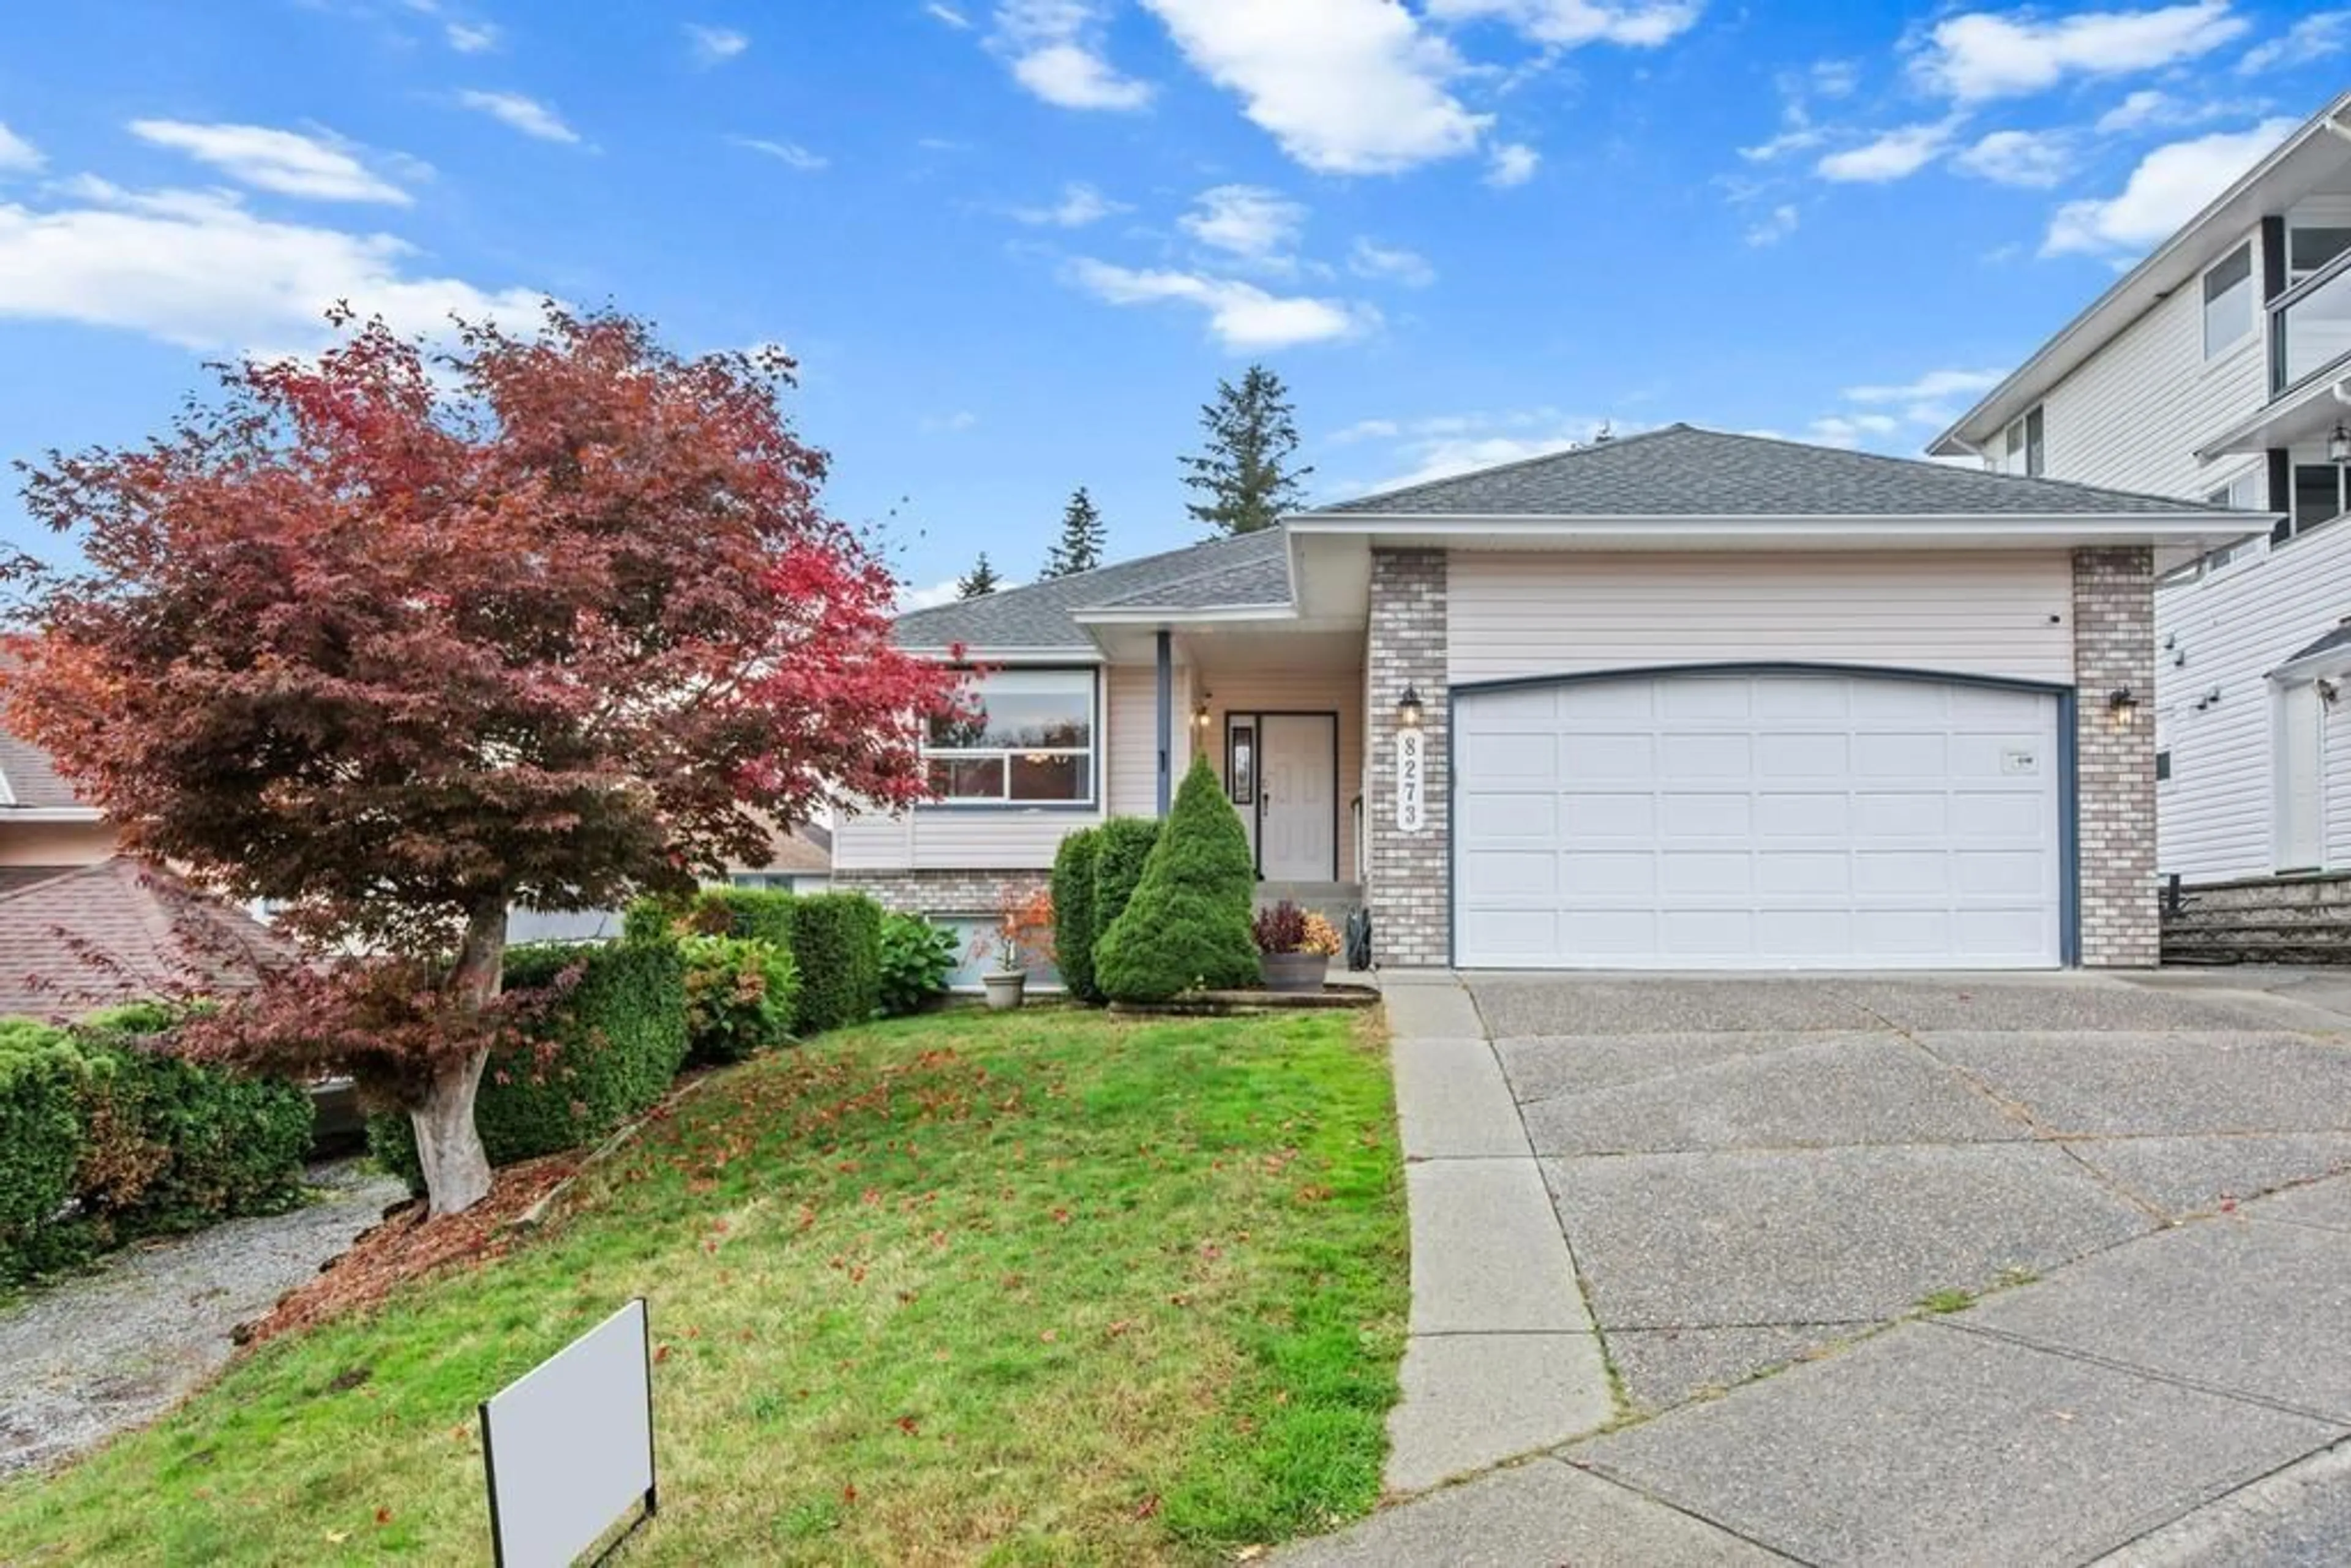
1188,923
979,581
1080,547
1244,473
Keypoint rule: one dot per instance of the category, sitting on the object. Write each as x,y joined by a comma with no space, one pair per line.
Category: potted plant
1294,948
1022,937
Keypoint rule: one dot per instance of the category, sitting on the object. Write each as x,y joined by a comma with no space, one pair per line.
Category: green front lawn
1041,1287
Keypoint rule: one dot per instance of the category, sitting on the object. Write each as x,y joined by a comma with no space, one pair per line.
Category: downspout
1166,717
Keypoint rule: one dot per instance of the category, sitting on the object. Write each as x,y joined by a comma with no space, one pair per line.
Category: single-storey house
1680,700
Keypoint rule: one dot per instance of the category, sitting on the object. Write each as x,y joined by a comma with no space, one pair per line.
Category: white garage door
1757,821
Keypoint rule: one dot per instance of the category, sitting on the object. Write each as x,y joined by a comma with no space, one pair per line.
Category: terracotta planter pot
1291,973
1005,991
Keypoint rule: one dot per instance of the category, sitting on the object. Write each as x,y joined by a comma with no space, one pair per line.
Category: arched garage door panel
1791,820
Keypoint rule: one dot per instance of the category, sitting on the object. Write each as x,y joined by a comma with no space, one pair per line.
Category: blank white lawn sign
569,1444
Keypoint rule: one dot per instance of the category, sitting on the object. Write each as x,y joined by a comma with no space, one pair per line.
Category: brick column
2114,647
1407,885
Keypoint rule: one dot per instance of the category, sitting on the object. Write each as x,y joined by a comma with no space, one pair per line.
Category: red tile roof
74,940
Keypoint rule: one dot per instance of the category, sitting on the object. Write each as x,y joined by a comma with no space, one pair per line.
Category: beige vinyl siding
1339,692
2132,416
1133,747
54,843
2216,813
2005,613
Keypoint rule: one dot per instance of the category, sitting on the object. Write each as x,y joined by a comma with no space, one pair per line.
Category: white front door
1298,817
2301,778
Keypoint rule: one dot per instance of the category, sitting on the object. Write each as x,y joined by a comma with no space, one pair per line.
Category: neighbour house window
2163,765
2228,301
2023,450
1029,738
2244,493
2318,499
2307,251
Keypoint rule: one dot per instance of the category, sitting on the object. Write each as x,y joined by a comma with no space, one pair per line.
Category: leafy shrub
740,997
650,919
174,1145
1286,928
604,1051
837,937
1073,911
1125,848
754,914
43,1074
917,959
1188,922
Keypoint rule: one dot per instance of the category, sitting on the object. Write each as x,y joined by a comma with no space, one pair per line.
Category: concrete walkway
1503,1358
1762,1181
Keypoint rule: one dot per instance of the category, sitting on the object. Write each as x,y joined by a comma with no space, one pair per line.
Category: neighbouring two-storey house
1681,700
2219,369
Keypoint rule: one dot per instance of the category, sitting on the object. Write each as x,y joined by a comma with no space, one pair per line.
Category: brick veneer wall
1407,885
940,892
2114,647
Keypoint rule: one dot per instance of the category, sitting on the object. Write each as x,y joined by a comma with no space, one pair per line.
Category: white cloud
17,154
954,424
2034,159
2170,185
2314,37
791,154
1926,388
948,15
1513,164
2152,109
715,45
1981,55
1894,155
1835,79
1775,226
1367,430
1080,206
1346,87
1391,264
1056,48
1850,430
521,113
1794,138
471,37
197,268
1243,316
1570,24
1246,221
911,598
1438,446
285,161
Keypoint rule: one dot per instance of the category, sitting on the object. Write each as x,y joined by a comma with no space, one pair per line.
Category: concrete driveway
2103,1337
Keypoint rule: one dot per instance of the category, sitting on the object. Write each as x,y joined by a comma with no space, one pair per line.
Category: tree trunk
448,1146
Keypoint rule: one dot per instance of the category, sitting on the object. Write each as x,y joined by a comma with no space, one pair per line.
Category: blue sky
1015,243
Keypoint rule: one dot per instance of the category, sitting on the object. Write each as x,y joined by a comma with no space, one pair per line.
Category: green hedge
1125,849
837,938
1188,923
617,1040
918,957
140,1141
1073,911
741,998
757,913
42,1076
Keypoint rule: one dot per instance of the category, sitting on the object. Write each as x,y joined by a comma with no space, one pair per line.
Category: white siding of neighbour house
2217,812
2002,613
2132,416
947,838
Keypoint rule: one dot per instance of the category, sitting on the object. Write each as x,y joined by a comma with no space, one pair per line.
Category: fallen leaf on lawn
1148,1508
1048,1336
383,1516
908,1425
337,1537
849,1493
661,1353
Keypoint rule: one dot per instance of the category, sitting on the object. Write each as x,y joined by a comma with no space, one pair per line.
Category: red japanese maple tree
399,642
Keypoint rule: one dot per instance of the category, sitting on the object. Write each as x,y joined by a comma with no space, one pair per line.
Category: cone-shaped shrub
1073,912
1188,922
1125,844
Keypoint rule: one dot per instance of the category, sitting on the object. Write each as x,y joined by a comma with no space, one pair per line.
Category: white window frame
1092,751
2294,527
2024,444
2253,292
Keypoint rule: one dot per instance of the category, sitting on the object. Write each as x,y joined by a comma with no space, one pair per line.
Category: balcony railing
2310,325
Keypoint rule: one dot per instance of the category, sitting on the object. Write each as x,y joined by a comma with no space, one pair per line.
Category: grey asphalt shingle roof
1253,566
1681,471
32,777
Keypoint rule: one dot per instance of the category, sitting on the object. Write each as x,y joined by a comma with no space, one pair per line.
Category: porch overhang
2299,414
